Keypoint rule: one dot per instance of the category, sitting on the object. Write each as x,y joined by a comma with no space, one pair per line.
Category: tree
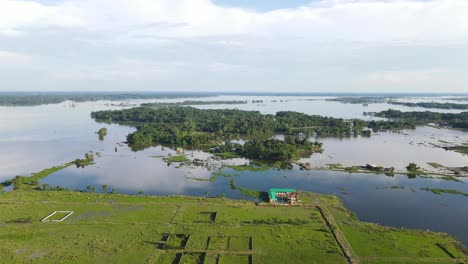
102,133
412,167
104,188
89,157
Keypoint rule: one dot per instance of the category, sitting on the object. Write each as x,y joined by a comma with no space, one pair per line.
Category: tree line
453,120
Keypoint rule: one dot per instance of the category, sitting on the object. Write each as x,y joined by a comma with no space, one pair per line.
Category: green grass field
111,228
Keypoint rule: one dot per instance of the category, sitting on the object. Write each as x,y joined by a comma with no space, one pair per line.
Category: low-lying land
193,102
434,105
111,228
451,120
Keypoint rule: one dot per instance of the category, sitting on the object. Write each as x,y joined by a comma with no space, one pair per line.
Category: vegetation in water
359,99
414,170
261,166
440,191
207,129
191,102
88,160
33,181
102,133
460,149
177,158
453,120
433,105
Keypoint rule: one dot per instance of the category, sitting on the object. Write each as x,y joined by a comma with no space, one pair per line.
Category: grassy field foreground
111,228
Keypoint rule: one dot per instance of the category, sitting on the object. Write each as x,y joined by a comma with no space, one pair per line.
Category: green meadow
114,228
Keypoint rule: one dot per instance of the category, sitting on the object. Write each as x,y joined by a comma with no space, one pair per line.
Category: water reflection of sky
34,138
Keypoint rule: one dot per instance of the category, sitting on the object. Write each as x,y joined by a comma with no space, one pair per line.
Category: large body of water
38,137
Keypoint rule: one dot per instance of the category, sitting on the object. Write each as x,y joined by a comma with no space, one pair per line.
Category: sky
234,45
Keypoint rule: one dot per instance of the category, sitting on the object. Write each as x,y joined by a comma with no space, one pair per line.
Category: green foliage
176,125
458,120
460,149
412,167
191,102
440,191
32,182
28,99
18,182
102,133
433,105
88,160
360,99
179,158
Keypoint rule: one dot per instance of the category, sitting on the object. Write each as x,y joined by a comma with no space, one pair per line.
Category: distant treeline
188,102
360,99
433,105
453,120
30,99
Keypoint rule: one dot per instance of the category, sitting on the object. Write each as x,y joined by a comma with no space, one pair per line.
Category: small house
283,196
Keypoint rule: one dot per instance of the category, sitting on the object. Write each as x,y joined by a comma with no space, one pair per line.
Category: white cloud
110,40
326,20
14,59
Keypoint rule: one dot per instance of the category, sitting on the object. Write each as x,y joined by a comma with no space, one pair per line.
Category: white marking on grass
68,213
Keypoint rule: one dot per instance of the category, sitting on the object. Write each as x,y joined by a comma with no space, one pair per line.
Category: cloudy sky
234,45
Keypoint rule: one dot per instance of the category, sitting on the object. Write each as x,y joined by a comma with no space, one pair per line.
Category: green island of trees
433,105
102,133
360,99
452,120
208,129
88,160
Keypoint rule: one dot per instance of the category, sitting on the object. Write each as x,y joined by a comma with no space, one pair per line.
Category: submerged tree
102,133
412,167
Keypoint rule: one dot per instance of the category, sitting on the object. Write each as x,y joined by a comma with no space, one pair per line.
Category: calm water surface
34,138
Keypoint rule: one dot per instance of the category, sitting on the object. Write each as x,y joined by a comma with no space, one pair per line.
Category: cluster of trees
191,102
454,120
88,160
192,119
271,149
187,126
360,99
102,133
168,134
412,167
291,148
433,105
183,121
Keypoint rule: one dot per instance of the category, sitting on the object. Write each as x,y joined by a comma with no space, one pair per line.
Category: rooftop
273,191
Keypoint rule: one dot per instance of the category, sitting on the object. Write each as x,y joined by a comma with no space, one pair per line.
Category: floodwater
38,137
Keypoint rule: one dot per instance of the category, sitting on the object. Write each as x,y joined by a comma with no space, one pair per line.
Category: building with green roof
289,195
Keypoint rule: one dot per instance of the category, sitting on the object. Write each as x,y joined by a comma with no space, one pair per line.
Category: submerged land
284,137
227,152
177,229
